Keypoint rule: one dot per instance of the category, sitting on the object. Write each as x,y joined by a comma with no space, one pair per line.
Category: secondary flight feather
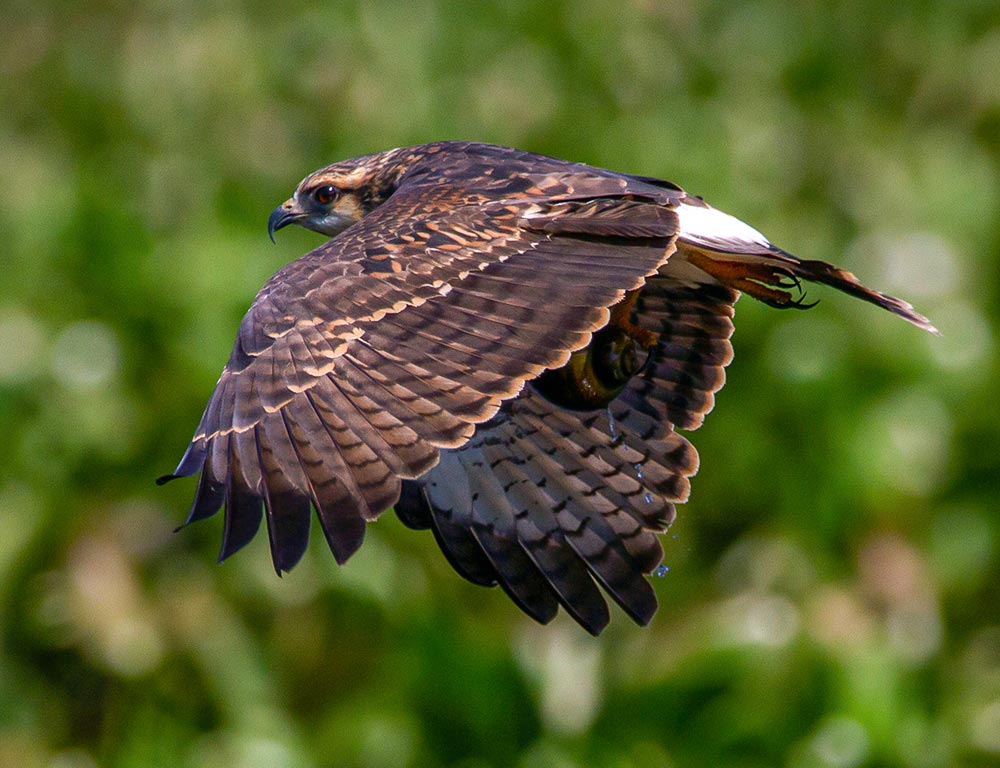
499,345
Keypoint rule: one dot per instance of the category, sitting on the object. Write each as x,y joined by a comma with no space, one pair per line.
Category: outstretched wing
357,364
549,503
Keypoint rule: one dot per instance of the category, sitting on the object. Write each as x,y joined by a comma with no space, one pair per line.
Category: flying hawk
501,346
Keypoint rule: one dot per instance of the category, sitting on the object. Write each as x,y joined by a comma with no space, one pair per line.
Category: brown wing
546,501
358,363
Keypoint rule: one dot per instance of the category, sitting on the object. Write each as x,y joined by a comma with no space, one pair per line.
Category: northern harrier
500,345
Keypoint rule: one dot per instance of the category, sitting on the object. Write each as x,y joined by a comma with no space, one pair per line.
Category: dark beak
282,216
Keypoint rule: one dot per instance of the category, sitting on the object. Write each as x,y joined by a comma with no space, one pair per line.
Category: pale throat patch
345,212
348,207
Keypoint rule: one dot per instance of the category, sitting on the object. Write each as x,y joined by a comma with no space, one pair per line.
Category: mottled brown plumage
500,345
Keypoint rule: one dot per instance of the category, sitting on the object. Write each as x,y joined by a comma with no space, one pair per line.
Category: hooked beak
282,216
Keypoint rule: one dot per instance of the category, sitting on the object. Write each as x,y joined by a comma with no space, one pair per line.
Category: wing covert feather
357,364
393,365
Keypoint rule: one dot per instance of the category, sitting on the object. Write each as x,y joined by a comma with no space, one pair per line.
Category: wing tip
192,460
344,533
594,625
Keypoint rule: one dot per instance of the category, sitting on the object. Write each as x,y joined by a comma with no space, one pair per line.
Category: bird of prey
500,345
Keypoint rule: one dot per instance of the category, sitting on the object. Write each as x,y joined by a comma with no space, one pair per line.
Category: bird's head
331,199
325,202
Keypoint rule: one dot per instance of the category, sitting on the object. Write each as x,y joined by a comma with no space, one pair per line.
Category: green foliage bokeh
832,596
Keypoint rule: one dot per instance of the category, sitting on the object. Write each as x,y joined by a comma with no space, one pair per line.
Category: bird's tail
775,277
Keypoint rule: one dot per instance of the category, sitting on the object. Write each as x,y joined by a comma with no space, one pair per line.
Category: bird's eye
325,195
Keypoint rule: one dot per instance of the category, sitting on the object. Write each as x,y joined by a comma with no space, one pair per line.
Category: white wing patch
704,225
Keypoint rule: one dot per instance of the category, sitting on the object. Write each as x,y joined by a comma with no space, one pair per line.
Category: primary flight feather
500,345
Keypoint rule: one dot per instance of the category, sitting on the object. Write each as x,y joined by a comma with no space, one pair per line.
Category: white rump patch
711,226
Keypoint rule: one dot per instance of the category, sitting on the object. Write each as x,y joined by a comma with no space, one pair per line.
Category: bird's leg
621,314
759,279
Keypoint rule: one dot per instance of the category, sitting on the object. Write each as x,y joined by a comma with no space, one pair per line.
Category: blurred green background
833,597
